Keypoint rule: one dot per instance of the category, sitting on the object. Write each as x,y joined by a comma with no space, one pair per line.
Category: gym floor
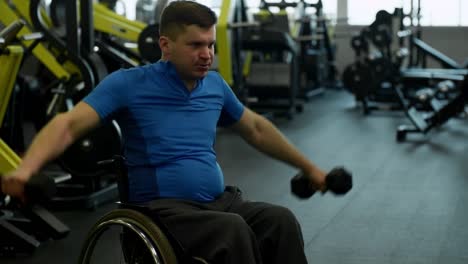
407,205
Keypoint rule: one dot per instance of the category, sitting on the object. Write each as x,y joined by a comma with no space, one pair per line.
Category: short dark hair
179,14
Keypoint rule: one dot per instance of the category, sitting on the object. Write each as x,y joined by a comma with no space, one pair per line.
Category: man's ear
164,44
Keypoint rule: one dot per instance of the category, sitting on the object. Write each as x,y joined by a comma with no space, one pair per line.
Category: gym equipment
374,74
273,77
230,63
113,28
384,64
283,63
88,189
338,180
148,43
424,51
22,229
422,124
142,239
91,185
76,69
318,51
69,67
228,43
273,83
113,33
82,157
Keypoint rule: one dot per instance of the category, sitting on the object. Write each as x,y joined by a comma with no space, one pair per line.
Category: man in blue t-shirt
168,113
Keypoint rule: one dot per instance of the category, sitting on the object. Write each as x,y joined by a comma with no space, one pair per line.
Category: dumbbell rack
442,114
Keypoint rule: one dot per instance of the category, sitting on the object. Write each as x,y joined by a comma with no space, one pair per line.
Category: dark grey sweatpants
232,230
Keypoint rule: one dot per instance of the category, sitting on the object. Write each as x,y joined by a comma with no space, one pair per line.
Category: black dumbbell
39,188
338,180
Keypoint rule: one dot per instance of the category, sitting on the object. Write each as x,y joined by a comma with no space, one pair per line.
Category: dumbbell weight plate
40,188
300,186
81,158
339,181
148,43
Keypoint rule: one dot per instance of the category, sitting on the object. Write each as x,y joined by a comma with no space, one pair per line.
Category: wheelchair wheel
140,240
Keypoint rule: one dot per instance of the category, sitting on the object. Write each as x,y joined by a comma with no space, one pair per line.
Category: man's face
192,52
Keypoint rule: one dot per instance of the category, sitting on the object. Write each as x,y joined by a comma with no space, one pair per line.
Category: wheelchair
143,239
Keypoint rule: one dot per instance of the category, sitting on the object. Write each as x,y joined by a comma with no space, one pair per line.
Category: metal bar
87,27
72,26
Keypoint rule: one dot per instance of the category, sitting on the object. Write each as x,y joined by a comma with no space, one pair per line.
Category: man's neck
190,85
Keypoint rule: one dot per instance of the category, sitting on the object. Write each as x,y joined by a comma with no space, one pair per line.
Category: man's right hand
13,184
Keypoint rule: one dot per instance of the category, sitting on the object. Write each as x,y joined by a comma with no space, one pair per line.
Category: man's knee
281,216
236,242
283,225
233,224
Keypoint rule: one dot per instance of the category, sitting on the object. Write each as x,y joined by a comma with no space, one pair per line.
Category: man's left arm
260,133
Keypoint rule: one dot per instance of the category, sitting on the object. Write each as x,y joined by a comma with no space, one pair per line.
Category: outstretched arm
264,136
49,143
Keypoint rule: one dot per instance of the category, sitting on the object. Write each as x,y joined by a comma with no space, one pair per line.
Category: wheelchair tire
153,237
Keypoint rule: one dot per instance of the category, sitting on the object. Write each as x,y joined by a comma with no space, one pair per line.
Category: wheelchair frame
164,248
146,230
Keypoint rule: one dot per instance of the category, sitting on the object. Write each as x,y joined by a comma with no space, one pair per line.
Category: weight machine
22,229
389,55
374,74
76,69
272,65
121,42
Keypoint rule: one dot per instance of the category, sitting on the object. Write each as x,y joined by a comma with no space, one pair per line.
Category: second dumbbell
339,181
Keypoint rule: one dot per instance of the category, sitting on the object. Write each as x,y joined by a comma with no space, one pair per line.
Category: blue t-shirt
169,132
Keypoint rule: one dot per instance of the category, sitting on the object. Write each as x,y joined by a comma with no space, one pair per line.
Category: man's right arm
51,142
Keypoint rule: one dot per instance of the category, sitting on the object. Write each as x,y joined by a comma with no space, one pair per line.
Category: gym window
433,12
329,7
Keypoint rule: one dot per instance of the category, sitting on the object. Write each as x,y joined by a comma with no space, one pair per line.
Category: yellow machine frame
19,9
10,61
223,40
107,21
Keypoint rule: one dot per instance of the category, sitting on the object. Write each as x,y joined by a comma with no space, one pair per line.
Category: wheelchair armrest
117,166
141,207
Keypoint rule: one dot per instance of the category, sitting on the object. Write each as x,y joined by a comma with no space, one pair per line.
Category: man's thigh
197,227
277,231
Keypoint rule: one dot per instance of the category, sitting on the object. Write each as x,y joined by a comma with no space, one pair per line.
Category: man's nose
205,52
